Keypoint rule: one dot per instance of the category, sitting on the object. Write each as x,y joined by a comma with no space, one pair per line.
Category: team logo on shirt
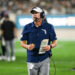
44,31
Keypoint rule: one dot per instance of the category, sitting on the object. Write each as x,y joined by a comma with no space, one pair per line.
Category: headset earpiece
42,14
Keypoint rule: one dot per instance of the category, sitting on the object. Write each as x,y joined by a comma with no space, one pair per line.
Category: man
9,29
32,37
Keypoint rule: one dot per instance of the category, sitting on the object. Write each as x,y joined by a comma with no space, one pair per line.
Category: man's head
3,14
37,13
6,17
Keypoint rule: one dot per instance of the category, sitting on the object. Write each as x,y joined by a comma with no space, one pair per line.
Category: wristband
50,46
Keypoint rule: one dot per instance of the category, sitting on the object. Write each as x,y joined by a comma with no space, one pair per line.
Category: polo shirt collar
41,24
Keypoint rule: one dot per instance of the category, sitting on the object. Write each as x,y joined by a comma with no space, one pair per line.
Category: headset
42,14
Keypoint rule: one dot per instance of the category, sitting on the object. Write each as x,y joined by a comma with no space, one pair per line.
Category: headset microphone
36,19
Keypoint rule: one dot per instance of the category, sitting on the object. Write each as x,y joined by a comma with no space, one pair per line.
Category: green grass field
63,55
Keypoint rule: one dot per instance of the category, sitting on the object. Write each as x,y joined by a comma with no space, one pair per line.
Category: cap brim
37,9
34,11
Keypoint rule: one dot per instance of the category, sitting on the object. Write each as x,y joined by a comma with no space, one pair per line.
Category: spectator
9,30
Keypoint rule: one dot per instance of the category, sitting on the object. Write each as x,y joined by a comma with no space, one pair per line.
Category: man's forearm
54,44
24,45
29,47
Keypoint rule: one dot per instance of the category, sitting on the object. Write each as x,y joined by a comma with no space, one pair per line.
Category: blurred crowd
54,7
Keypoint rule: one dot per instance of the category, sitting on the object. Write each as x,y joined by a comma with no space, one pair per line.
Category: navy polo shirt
35,35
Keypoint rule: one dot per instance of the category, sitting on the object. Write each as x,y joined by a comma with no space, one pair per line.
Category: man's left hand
46,48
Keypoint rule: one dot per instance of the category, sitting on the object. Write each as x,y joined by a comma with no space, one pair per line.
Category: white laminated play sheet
43,43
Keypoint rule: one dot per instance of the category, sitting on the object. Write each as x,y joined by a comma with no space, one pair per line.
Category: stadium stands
54,7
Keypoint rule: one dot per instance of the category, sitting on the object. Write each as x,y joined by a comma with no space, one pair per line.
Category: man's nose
34,15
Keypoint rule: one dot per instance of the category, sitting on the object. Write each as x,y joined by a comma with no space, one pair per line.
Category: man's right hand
30,46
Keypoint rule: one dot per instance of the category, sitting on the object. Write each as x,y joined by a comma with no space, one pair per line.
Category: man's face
35,15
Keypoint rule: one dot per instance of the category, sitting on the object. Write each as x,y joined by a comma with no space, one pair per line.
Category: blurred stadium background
64,8
60,13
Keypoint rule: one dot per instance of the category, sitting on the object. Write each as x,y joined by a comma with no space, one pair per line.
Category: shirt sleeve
24,34
13,24
52,33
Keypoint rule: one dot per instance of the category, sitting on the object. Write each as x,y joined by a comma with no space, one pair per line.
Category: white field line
64,62
51,68
20,50
11,67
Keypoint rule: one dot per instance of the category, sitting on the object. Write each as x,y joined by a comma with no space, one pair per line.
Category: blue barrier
59,21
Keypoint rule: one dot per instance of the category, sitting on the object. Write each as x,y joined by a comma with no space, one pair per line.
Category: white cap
36,9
